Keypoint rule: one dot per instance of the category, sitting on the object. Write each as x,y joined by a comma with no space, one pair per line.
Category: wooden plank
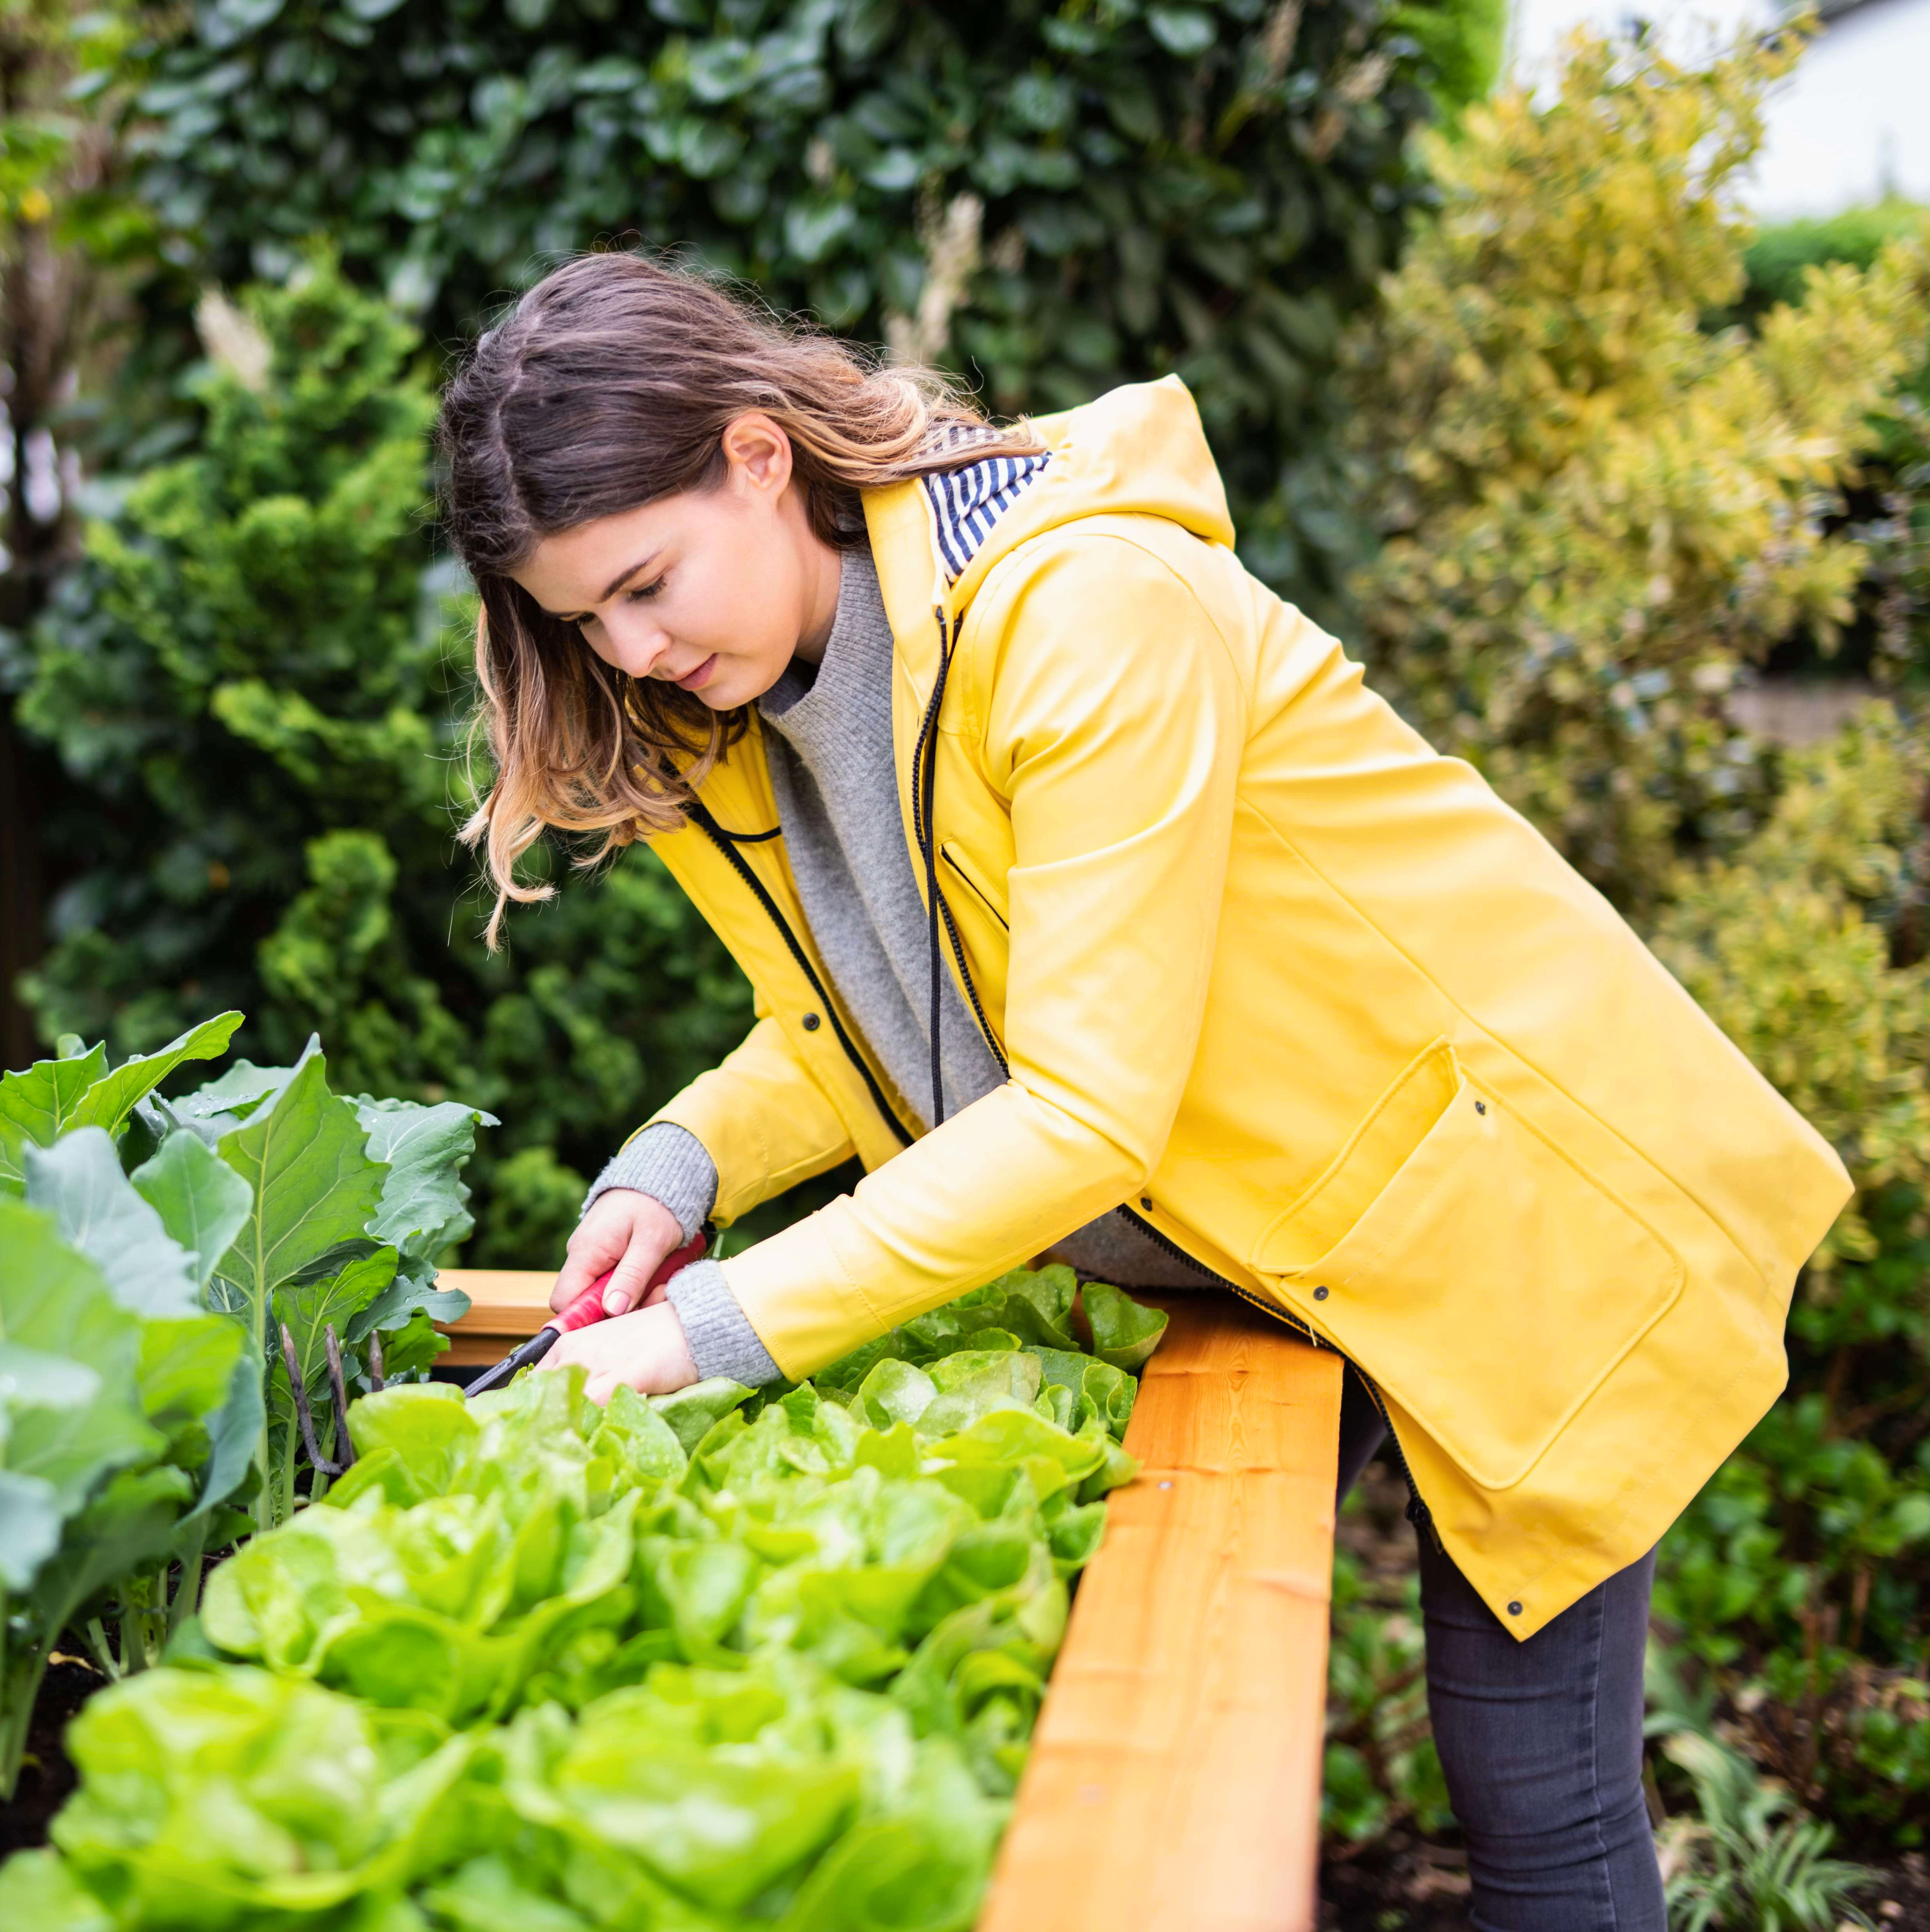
1174,1780
507,1305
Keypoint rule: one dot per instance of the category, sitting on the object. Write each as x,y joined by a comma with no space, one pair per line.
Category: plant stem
104,1650
188,1592
291,1457
22,1664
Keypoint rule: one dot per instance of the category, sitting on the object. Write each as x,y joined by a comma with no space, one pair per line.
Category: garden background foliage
255,691
1582,476
1615,475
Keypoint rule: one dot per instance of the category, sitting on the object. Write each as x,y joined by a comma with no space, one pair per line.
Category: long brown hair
609,384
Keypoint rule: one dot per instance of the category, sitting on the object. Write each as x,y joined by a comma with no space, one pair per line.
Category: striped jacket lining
966,503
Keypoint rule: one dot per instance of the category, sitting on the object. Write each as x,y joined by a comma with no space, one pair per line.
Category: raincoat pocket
955,855
1486,1281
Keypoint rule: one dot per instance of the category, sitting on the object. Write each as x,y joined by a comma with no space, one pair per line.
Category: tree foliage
1597,512
262,701
1053,198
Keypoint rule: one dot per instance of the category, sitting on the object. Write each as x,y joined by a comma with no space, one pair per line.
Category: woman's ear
759,453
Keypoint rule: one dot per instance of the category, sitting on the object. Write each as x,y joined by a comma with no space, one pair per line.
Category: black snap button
812,1022
1319,1295
1145,1201
1481,1106
1514,1609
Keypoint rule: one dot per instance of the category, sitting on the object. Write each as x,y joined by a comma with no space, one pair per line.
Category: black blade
534,1350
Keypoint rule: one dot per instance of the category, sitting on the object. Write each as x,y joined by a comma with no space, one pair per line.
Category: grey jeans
1540,1742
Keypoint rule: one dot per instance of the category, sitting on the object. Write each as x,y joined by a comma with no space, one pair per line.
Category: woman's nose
640,645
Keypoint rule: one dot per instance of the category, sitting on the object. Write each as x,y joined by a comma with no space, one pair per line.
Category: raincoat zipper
726,843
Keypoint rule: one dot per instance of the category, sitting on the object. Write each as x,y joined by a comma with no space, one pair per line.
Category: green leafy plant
127,1410
1380,1766
341,1209
1749,1858
711,1659
144,1391
1753,1857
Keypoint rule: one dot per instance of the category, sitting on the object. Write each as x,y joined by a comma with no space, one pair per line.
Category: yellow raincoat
1305,996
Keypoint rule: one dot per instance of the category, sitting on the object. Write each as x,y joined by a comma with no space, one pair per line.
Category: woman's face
715,590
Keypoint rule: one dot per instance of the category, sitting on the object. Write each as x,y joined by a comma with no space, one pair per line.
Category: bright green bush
1777,262
1596,513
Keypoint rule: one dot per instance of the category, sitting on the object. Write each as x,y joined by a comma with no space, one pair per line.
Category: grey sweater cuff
722,1341
668,1163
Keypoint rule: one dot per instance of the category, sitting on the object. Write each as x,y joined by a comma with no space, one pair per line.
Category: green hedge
1055,199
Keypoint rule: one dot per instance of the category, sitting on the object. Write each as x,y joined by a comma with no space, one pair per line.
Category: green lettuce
723,1659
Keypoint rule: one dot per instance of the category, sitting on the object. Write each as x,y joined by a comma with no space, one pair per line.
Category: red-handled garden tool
587,1307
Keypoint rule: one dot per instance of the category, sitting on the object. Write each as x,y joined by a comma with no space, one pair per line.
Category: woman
1096,905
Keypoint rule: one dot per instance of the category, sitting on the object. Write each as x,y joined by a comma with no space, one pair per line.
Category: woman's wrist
722,1341
670,1165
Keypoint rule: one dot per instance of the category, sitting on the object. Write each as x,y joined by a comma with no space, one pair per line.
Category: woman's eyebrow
615,584
623,577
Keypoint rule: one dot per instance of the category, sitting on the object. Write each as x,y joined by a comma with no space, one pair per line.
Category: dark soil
1400,1883
46,1776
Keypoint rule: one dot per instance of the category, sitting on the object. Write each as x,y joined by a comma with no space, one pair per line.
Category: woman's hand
630,1232
646,1349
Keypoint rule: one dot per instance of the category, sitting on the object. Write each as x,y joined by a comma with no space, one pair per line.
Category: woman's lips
695,680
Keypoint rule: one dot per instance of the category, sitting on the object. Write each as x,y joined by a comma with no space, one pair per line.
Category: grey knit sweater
829,743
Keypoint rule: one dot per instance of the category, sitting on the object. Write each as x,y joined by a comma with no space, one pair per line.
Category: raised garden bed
1174,1777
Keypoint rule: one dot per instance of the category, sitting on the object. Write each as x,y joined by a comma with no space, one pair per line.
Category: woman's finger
590,1254
629,1285
651,1232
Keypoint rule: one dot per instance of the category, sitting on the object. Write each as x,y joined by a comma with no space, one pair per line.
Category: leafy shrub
1889,504
1596,513
1802,1574
1777,262
143,1396
1752,1856
762,1657
253,683
1748,1854
1380,1765
1597,518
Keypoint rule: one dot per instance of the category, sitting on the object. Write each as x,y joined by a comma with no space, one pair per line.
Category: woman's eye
643,592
